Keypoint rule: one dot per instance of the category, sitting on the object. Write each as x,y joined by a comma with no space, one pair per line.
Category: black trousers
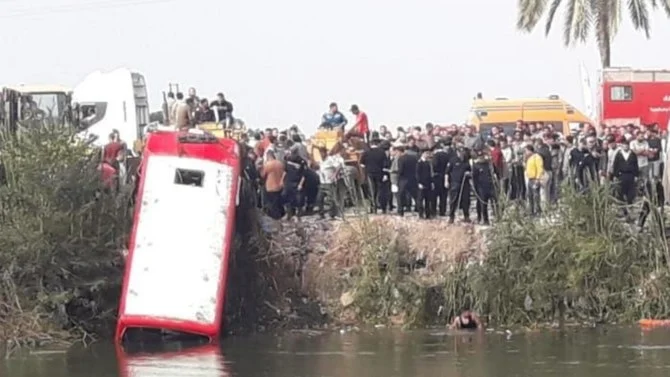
627,191
273,204
424,202
459,197
291,199
440,195
484,198
517,183
406,192
380,193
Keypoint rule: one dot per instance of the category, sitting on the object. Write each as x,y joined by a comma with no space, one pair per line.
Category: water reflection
172,360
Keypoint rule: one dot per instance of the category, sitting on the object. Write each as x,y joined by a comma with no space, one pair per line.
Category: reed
585,265
578,263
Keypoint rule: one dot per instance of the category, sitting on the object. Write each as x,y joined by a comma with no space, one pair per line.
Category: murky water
575,353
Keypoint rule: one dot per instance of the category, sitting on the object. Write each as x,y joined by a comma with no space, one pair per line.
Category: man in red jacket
496,158
114,146
362,128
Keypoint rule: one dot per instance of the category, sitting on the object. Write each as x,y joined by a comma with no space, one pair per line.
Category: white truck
115,100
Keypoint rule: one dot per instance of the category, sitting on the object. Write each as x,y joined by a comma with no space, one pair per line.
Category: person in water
467,321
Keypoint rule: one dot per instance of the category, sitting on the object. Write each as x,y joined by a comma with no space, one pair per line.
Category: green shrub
585,265
60,266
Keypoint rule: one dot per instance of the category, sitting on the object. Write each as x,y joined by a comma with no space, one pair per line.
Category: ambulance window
189,177
621,93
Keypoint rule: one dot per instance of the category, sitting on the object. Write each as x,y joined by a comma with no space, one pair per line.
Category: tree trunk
604,47
604,37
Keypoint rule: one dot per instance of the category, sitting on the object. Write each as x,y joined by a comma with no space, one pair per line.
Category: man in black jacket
441,159
483,182
375,161
223,108
585,166
424,177
407,184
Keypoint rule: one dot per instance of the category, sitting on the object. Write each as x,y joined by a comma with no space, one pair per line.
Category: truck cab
25,105
115,100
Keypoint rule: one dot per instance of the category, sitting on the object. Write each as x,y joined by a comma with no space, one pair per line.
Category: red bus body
177,263
641,97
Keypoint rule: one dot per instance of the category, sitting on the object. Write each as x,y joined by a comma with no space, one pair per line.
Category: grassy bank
60,269
588,267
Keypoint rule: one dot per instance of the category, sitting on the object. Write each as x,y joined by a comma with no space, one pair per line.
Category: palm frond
577,21
639,14
613,9
529,13
665,4
555,4
606,17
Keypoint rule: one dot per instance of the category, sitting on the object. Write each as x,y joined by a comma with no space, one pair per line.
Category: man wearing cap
333,119
361,126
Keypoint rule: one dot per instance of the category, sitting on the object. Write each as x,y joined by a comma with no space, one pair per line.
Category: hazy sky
282,62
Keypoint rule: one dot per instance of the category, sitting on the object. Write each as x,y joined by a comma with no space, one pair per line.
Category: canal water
602,352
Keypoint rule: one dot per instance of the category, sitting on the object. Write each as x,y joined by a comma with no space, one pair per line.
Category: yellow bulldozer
336,140
220,130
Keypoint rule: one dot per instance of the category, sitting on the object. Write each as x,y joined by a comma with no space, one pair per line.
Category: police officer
374,161
294,179
407,184
458,179
441,158
483,182
424,178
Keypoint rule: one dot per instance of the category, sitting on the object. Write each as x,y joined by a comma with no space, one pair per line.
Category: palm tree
584,16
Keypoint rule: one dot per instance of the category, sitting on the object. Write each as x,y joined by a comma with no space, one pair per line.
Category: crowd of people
187,111
438,171
435,171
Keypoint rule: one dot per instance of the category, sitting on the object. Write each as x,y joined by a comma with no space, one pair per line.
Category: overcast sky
282,62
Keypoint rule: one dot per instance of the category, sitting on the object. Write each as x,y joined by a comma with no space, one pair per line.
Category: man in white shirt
640,147
330,171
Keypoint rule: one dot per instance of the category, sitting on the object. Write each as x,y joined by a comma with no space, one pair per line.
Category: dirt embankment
365,269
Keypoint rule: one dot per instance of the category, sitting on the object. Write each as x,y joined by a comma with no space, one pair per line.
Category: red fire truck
635,96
